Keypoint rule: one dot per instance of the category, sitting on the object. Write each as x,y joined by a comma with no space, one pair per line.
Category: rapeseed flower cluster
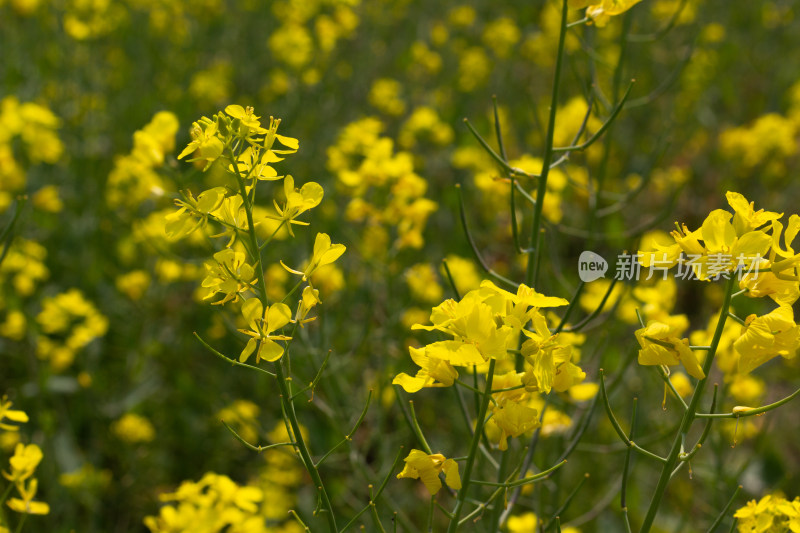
21,272
36,128
133,429
235,140
749,243
387,195
135,177
213,504
216,503
489,323
22,466
68,323
770,513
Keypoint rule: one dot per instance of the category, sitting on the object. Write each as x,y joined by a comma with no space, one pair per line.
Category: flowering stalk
286,396
690,413
237,140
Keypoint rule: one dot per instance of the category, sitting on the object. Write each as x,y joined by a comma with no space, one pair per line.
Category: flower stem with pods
286,395
689,415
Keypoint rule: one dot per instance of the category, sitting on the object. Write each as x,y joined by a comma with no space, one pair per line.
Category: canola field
297,266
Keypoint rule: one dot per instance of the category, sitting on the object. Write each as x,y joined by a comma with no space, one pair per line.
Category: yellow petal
270,350
451,476
289,142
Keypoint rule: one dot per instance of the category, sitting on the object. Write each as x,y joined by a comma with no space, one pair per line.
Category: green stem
417,429
378,492
302,448
21,523
532,269
473,448
566,503
626,469
689,415
725,510
349,436
2,501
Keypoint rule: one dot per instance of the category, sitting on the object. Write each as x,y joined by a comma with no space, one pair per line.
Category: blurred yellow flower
133,429
11,415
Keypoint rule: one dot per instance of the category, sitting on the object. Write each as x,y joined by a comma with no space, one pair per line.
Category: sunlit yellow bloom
229,274
216,502
254,163
308,300
232,216
771,513
549,361
248,122
325,253
730,242
433,372
426,468
513,420
767,336
193,214
298,201
745,217
477,338
660,346
205,143
782,291
262,323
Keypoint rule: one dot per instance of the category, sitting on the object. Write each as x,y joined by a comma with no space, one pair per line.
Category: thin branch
584,145
524,481
725,510
231,361
474,247
750,412
258,449
349,436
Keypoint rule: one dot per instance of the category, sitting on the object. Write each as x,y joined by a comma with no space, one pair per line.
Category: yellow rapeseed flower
426,468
